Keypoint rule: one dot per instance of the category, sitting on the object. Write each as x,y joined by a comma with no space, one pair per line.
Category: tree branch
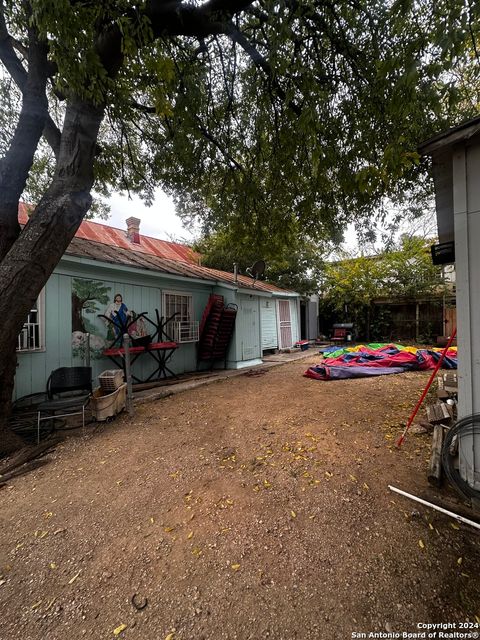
16,164
261,63
217,144
19,75
173,17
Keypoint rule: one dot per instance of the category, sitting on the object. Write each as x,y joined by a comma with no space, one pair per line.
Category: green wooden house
153,277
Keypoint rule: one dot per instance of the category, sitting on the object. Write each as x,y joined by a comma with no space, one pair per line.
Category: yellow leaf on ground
421,544
353,478
168,529
119,629
365,486
293,514
460,560
53,565
235,567
49,605
190,535
36,605
454,526
170,636
72,580
430,525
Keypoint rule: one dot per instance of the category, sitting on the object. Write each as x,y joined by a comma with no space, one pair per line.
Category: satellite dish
256,270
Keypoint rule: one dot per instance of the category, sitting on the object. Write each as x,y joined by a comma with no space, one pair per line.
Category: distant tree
409,271
291,263
350,285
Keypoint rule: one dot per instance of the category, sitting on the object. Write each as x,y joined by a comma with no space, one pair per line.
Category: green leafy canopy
295,118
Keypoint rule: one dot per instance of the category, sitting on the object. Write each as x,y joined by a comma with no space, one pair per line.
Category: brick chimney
133,229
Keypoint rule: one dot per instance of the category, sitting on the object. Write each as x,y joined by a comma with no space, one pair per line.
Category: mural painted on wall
91,299
120,319
119,316
88,299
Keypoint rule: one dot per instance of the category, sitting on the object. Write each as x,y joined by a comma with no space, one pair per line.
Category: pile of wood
26,459
441,415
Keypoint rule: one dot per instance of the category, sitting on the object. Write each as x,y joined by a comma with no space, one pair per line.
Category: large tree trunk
9,441
15,165
14,170
27,266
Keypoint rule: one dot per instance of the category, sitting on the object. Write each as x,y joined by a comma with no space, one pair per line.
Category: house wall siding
466,209
140,293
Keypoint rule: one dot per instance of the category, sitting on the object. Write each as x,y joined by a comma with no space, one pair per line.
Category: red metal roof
111,236
107,244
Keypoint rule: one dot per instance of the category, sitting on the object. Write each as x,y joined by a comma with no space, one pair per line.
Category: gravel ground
253,508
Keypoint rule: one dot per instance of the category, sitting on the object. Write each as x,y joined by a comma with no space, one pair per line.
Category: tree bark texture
15,165
38,249
9,441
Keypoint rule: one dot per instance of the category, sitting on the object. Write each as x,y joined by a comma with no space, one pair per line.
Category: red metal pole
425,391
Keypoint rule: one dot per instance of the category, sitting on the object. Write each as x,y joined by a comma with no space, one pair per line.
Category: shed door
249,327
285,324
268,324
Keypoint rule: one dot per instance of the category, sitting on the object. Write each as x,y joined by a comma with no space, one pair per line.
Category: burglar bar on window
29,337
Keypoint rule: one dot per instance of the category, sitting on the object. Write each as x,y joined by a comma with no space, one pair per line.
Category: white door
284,324
248,326
268,324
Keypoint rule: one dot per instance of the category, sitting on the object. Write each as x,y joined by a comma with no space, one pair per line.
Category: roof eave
452,136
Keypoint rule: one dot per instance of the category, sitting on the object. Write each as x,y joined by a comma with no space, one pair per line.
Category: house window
182,327
31,337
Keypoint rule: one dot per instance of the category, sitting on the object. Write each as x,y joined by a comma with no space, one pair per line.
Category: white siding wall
466,202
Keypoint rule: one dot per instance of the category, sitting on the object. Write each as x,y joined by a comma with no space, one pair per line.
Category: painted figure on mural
119,314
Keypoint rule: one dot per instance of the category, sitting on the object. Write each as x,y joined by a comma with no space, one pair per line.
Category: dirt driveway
256,507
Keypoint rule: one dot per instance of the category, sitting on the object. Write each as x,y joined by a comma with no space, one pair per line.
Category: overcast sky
158,221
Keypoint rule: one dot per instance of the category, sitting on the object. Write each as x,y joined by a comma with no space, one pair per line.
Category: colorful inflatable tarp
377,359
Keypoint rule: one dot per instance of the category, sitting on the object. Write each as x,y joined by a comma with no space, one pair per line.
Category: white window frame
28,332
184,328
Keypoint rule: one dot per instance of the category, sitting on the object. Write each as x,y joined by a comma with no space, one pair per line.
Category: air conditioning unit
185,331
